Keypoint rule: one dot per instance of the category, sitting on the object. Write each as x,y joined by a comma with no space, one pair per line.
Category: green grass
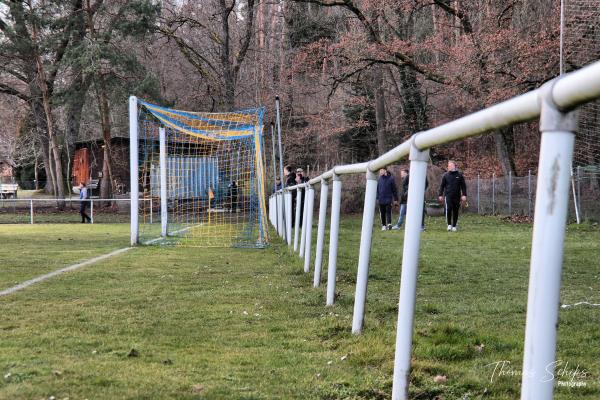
28,251
246,324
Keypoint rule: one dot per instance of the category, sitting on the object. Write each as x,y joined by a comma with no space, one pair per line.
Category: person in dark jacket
290,176
290,180
387,192
300,178
404,200
453,190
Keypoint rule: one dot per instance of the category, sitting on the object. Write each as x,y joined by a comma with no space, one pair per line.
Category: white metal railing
4,203
554,103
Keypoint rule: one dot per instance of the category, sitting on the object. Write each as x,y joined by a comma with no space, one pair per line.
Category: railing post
133,170
287,205
362,275
304,212
478,197
280,230
321,232
334,231
91,211
410,268
164,215
297,219
310,195
579,189
551,206
31,212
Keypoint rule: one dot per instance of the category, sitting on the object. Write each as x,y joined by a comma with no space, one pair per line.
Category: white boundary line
62,271
73,267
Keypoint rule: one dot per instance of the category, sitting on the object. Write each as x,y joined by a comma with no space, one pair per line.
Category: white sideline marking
73,267
580,303
62,271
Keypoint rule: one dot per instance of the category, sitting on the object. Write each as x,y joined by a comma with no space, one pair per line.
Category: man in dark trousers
404,200
387,192
453,190
84,203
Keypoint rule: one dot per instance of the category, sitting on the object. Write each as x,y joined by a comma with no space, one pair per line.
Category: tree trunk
40,121
50,187
35,174
106,188
504,150
380,117
54,149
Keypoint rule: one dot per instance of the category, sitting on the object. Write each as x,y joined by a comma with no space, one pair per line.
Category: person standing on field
453,190
83,203
404,200
387,192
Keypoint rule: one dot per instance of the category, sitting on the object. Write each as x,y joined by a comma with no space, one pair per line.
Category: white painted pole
304,213
151,210
321,232
575,204
297,219
362,276
410,270
309,222
133,169
334,231
91,211
287,197
31,212
551,207
164,215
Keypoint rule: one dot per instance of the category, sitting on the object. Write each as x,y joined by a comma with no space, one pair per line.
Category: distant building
88,160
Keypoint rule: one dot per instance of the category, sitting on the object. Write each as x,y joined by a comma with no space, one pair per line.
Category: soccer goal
200,177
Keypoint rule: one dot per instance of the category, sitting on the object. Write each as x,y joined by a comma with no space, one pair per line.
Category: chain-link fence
511,195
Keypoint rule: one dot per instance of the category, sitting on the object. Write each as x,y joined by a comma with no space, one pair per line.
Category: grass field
167,322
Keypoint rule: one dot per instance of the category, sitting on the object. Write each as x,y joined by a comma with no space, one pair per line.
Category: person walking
84,196
404,201
387,192
453,190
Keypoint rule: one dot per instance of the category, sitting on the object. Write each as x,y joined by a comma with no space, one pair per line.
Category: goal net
581,33
213,173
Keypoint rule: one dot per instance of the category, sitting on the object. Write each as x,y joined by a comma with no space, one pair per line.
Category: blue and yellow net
215,177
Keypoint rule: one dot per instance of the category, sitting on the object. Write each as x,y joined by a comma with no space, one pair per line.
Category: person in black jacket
453,190
387,192
300,178
290,180
404,200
